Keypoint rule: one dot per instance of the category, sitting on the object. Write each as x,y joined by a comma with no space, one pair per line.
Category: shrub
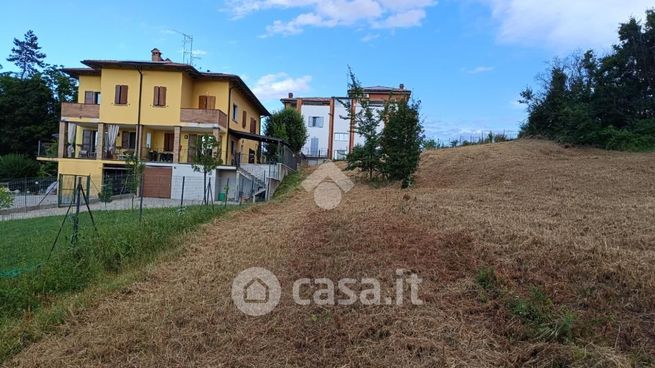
6,199
18,166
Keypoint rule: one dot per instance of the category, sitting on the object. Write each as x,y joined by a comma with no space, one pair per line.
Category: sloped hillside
531,254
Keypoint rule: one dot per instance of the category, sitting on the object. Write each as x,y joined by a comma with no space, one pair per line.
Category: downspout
138,117
228,141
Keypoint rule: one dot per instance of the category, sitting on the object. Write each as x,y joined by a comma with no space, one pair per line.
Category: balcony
79,111
204,116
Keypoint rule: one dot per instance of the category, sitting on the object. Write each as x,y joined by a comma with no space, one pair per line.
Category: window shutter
117,95
155,97
253,126
89,97
123,95
162,96
202,102
243,119
211,102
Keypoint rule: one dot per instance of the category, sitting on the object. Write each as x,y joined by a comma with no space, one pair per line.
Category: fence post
76,219
141,201
182,196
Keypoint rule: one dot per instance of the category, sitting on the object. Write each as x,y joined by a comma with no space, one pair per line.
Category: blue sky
466,60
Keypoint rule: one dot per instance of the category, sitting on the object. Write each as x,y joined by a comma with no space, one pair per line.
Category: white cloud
278,85
479,70
564,24
390,14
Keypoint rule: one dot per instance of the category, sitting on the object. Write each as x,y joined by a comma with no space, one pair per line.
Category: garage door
157,182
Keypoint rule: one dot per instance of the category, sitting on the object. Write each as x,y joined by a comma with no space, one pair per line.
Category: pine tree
401,140
26,54
366,157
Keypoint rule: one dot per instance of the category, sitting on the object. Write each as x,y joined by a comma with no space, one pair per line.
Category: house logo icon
256,291
327,182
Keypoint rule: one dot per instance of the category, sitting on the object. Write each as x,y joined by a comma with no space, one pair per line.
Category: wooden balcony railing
77,110
203,116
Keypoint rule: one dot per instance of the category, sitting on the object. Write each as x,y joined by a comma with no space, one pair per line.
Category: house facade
331,133
155,110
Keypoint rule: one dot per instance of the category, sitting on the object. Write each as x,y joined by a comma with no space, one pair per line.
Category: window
244,119
128,140
207,102
92,98
341,137
235,112
120,98
159,98
316,122
253,125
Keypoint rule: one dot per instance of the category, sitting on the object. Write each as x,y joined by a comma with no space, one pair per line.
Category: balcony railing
80,111
203,116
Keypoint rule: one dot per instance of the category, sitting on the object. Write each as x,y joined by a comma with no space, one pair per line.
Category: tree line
30,98
605,101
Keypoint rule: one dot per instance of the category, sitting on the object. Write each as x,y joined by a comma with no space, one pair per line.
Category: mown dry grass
576,224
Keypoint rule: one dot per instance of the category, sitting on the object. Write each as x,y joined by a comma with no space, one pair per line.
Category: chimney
156,55
402,86
290,94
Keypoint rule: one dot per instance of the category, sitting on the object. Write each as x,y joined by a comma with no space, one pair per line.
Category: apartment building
155,110
331,133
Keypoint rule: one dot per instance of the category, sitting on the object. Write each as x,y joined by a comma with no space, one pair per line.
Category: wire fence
484,137
30,193
41,197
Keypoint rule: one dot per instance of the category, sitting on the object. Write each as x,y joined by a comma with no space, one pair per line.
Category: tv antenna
187,48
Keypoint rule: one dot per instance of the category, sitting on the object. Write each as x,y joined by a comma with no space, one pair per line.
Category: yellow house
156,110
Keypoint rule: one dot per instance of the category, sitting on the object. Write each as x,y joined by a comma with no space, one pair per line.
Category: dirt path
573,224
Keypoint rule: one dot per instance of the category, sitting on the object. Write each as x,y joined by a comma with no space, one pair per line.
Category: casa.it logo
327,182
256,291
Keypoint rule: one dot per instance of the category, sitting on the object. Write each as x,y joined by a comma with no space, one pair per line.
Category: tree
288,125
13,166
430,144
607,102
401,140
28,114
207,159
26,54
368,156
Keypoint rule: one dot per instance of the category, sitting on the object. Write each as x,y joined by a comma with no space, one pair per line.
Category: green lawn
26,244
29,276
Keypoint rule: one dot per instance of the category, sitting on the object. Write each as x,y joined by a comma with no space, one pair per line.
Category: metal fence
31,193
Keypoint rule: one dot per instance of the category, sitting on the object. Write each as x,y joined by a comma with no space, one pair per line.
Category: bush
6,199
17,166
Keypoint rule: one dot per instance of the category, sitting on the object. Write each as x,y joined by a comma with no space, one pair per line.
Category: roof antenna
187,48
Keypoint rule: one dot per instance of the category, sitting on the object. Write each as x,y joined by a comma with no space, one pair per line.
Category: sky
466,60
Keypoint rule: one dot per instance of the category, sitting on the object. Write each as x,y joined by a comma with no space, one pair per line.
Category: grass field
33,273
531,254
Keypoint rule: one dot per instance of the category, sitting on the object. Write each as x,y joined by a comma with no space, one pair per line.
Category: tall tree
368,156
288,125
401,140
608,101
28,114
26,54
